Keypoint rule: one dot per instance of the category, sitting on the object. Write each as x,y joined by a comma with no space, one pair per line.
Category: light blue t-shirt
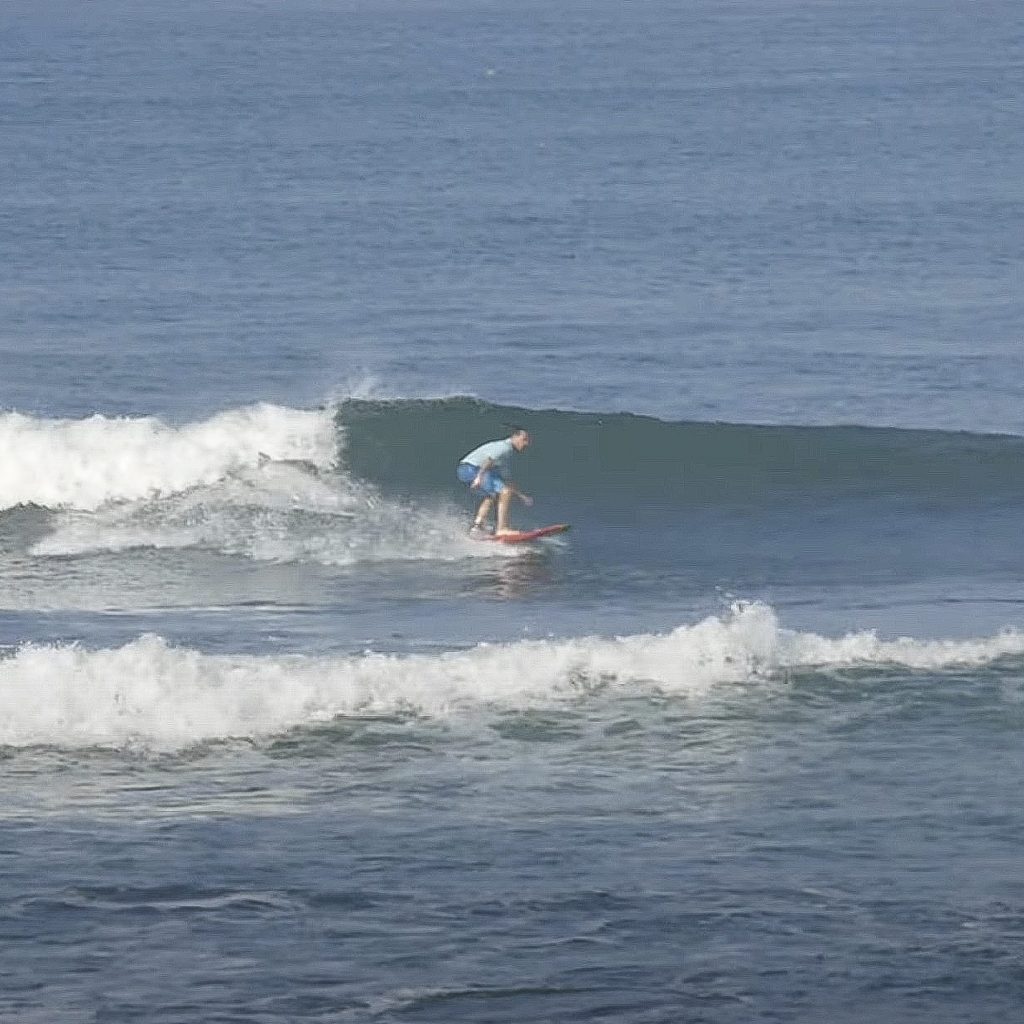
498,452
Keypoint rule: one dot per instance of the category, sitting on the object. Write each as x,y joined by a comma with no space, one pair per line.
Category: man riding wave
483,469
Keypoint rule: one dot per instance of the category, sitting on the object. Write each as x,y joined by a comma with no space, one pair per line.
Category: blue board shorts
491,483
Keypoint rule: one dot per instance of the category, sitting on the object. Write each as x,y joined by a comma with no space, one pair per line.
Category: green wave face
412,447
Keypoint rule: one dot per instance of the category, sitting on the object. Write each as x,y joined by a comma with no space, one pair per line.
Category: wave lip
84,464
151,695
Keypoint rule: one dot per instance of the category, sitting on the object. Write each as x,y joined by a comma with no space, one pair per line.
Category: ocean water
280,743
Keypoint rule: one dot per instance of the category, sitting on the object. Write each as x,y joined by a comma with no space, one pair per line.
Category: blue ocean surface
280,742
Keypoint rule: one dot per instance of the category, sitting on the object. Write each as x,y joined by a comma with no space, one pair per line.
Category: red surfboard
525,536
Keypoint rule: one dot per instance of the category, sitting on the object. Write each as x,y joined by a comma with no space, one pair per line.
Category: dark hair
514,428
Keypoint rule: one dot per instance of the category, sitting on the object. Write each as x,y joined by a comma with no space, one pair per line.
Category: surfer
483,470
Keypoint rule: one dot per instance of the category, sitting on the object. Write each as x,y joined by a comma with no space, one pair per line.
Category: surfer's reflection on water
510,578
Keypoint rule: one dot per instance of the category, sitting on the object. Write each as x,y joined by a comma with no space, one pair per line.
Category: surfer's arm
478,479
521,495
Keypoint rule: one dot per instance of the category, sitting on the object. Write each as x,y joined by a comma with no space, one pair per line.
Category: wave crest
154,695
84,464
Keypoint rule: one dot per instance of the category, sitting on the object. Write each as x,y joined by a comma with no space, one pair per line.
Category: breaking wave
83,464
371,480
153,695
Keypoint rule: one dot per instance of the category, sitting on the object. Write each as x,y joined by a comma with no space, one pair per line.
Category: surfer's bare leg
483,512
504,500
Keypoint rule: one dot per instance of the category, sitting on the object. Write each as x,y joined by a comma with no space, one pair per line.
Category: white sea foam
274,513
151,694
84,464
259,482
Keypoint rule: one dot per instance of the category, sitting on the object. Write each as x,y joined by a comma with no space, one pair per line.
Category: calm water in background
279,743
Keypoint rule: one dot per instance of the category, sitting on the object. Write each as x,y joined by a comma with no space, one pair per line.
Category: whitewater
150,695
99,459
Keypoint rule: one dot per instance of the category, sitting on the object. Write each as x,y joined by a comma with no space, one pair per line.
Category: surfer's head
520,438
